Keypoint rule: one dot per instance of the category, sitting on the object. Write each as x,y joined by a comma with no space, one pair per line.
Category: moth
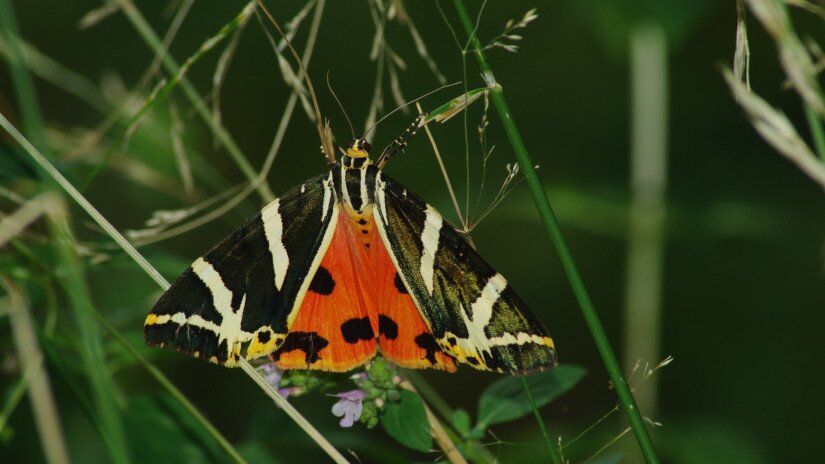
344,265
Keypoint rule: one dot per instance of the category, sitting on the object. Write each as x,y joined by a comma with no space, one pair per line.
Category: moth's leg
401,142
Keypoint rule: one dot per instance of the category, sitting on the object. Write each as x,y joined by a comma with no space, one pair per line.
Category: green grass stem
549,219
554,452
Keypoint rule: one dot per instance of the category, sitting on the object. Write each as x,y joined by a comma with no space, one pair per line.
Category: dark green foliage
504,400
406,421
158,426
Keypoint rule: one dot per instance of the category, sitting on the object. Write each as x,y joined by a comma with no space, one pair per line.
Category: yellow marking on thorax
356,153
362,222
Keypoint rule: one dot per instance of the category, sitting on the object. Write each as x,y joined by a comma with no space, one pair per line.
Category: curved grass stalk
549,219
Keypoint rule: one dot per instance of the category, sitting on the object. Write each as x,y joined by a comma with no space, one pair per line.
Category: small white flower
349,407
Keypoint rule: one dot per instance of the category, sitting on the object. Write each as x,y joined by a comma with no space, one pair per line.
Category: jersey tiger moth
344,265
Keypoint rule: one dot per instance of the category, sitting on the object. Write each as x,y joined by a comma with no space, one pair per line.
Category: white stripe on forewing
381,195
327,186
197,320
344,192
482,312
230,328
364,199
482,308
518,339
429,239
274,232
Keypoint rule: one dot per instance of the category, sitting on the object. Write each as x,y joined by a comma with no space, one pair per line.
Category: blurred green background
743,289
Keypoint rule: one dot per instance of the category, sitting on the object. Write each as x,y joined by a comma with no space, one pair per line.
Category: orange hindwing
356,299
335,327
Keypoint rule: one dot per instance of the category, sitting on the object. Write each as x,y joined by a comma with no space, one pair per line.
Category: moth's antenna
351,129
407,104
323,127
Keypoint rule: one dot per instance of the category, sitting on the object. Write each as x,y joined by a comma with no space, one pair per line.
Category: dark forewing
238,299
473,313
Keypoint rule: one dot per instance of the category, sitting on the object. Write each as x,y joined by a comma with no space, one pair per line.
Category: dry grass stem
446,176
793,56
32,210
44,407
444,441
776,129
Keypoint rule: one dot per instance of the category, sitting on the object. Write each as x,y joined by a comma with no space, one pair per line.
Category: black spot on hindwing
263,337
387,327
309,342
322,283
355,330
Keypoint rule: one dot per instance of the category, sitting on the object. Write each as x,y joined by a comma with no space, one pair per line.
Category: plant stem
548,217
554,452
816,130
646,216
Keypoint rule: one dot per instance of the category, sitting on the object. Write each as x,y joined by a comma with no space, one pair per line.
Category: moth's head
359,148
357,153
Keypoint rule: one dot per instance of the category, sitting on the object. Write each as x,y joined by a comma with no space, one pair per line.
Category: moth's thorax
357,154
355,186
351,162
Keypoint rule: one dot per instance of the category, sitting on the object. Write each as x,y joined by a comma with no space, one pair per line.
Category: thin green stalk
817,132
92,352
549,219
554,452
12,398
150,37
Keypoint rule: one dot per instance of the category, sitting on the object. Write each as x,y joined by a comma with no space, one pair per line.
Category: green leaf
461,421
456,105
406,421
504,400
256,452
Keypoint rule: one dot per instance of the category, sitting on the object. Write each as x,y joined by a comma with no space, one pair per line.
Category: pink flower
349,407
